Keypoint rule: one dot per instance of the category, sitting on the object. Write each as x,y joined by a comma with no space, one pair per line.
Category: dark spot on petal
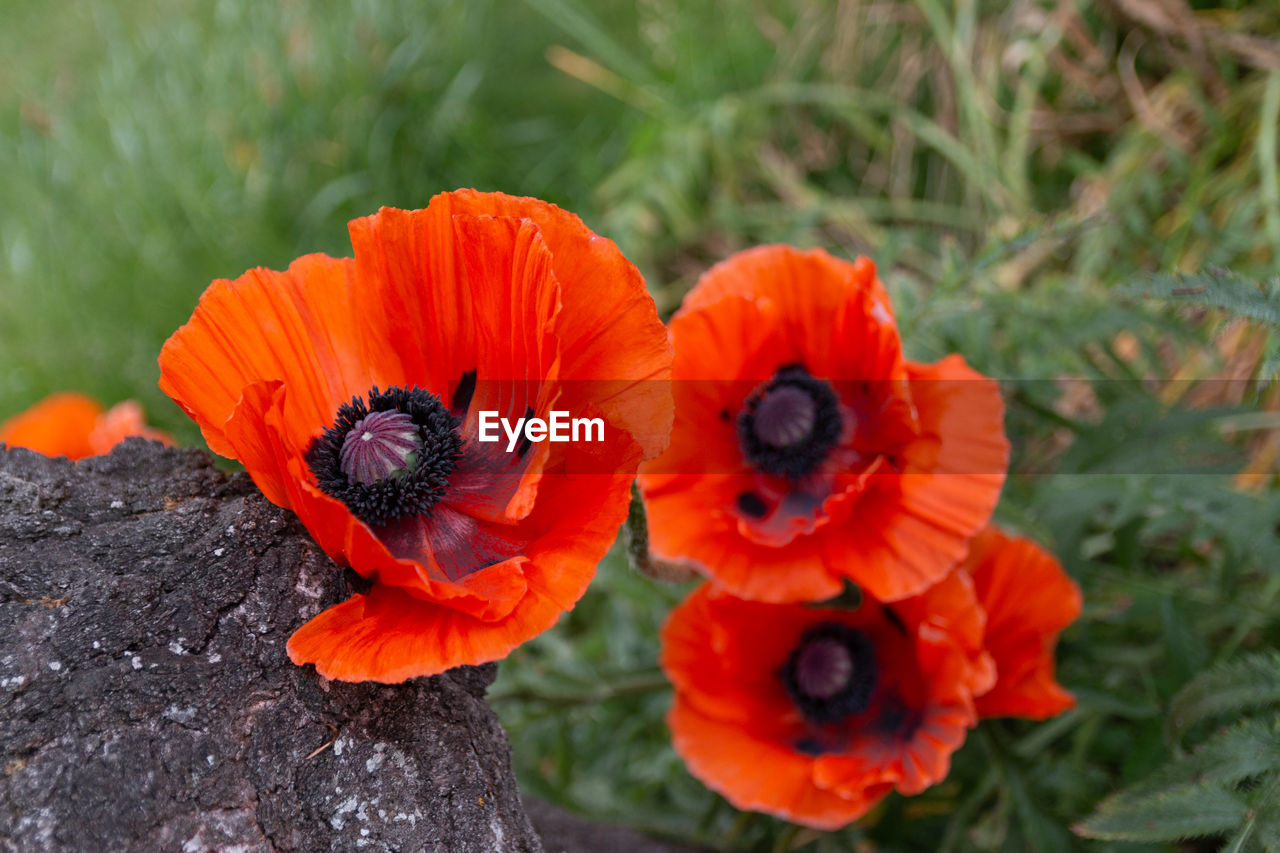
895,620
523,447
751,504
462,393
895,718
810,746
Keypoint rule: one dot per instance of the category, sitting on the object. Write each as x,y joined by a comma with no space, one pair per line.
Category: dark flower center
831,673
824,667
387,458
790,423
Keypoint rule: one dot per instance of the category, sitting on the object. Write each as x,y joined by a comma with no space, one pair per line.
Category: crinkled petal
301,327
760,774
1029,599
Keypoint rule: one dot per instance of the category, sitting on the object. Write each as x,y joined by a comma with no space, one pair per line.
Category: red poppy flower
806,450
814,714
1028,599
351,390
74,425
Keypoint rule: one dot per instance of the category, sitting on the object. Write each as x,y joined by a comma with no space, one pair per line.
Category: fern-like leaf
1215,288
1248,749
1191,811
1231,688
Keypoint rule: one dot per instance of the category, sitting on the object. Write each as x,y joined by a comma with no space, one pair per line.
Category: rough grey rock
146,701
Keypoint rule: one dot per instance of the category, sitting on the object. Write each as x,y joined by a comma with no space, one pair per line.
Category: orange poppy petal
804,282
72,424
913,533
389,635
727,669
616,353
299,327
1029,599
758,774
59,425
515,299
122,420
910,766
488,593
951,605
253,435
406,266
689,521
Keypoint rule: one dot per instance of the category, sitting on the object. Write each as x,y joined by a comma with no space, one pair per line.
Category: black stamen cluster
803,457
391,498
855,696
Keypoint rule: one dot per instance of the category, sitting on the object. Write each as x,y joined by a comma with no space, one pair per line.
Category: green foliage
1217,288
195,141
1249,684
1227,785
1191,811
1225,290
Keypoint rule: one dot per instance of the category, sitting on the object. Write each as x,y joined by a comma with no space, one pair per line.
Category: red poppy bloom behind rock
351,389
74,425
815,714
806,449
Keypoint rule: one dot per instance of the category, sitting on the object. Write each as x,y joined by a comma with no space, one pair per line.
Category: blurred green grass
1006,164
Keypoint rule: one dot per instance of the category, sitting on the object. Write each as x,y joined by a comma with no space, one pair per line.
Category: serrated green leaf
1231,688
1248,749
1192,811
1265,801
1216,288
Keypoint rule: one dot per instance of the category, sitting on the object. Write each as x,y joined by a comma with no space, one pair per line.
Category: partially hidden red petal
59,425
806,283
1029,599
951,606
121,421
